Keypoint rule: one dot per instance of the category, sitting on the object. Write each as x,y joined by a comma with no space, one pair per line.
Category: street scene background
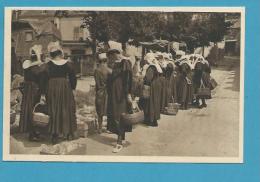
211,131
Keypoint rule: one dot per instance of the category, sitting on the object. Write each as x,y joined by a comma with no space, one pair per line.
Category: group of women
53,82
50,82
159,81
172,81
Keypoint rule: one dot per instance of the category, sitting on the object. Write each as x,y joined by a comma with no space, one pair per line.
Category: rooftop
40,27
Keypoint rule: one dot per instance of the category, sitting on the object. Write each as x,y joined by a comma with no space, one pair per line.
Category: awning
231,40
159,45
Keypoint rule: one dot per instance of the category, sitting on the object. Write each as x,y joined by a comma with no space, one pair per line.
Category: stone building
67,29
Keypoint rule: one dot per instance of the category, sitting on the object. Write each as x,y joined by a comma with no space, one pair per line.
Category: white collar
59,62
29,63
118,61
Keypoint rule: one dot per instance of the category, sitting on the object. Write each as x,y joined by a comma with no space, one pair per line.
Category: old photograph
124,84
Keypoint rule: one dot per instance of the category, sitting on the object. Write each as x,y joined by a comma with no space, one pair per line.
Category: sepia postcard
124,84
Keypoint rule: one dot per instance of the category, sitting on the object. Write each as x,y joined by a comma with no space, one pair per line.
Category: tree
217,27
176,26
122,26
97,24
206,28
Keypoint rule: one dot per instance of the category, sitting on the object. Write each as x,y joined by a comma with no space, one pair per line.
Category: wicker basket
39,118
131,119
203,92
172,109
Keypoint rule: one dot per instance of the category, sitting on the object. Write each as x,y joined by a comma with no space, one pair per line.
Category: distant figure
197,81
161,61
201,76
101,78
185,90
169,81
170,84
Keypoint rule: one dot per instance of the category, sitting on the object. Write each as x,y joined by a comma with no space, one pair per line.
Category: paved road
212,131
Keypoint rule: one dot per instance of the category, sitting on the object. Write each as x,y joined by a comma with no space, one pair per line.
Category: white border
94,158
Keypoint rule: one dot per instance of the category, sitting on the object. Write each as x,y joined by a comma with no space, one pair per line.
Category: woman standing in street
169,81
31,90
119,95
201,76
170,84
101,76
197,81
206,75
152,104
60,83
161,61
185,90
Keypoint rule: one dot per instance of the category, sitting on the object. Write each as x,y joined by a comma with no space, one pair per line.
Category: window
78,33
28,36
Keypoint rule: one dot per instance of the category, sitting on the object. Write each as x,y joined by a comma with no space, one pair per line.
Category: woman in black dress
119,95
185,90
170,84
31,90
60,83
197,81
160,60
152,104
201,76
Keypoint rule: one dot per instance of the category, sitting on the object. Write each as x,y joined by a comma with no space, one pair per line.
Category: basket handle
136,107
172,99
36,105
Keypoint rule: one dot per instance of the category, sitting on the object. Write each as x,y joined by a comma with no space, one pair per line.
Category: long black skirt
152,105
31,96
61,107
185,91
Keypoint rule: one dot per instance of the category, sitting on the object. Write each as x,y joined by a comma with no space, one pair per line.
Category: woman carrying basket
60,83
170,83
151,104
119,95
201,78
31,90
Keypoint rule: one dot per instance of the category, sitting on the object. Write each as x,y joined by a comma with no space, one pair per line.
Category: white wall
67,26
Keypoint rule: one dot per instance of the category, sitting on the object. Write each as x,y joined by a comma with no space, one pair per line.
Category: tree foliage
196,29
